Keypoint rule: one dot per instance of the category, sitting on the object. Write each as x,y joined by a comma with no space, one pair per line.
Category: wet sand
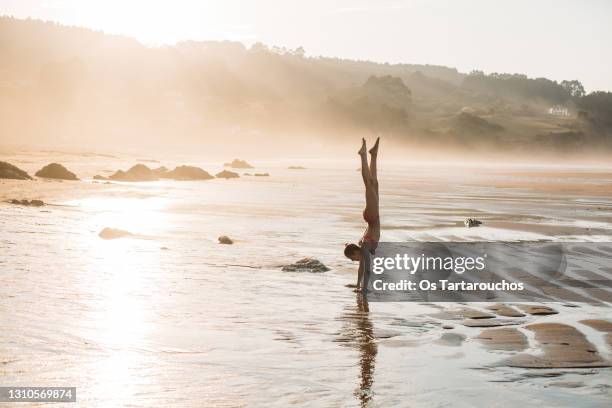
168,317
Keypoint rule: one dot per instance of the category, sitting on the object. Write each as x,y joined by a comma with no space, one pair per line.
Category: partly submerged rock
238,164
472,222
306,265
32,203
139,172
112,233
451,339
262,174
296,168
56,171
187,173
227,174
224,239
8,171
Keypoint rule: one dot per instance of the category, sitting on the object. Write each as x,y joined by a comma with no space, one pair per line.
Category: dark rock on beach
8,171
139,172
56,171
472,222
306,265
186,173
224,239
227,174
29,203
262,174
238,164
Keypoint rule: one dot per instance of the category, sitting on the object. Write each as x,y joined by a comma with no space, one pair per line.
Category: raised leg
373,166
365,169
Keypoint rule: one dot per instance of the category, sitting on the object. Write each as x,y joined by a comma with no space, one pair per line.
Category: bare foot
363,147
374,149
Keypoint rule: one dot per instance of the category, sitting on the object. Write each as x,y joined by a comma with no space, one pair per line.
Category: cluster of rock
29,203
50,171
306,265
238,164
140,172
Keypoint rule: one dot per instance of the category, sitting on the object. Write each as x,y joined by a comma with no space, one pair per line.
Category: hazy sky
560,39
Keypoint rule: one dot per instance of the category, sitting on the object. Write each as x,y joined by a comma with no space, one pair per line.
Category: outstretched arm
359,274
366,257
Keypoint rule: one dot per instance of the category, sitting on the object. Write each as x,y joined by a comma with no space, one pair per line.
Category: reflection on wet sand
358,332
143,314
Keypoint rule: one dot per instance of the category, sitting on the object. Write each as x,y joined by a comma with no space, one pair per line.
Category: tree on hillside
574,88
598,106
516,86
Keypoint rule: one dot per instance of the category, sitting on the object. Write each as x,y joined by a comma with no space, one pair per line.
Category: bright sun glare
155,22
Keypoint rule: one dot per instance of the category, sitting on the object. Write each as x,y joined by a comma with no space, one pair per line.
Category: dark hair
350,248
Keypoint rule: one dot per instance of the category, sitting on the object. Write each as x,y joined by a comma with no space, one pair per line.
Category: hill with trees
76,85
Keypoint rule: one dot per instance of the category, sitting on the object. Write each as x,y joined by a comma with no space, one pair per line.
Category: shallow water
169,317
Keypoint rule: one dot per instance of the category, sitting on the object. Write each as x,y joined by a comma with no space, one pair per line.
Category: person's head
352,252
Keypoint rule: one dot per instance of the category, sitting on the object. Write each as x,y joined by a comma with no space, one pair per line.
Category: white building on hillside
558,110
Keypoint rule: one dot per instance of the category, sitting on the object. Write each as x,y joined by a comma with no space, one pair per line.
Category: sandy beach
169,317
